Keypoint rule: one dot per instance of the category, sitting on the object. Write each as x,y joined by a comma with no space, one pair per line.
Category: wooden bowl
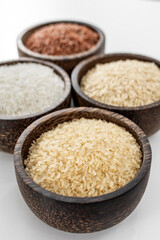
12,127
66,62
146,117
76,214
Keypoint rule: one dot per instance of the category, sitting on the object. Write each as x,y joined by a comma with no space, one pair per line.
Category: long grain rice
123,83
84,158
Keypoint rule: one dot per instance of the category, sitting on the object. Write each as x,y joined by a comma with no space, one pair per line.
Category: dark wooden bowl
146,117
75,214
66,62
12,127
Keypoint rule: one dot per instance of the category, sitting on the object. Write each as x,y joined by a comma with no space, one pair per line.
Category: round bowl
146,117
77,214
12,127
66,62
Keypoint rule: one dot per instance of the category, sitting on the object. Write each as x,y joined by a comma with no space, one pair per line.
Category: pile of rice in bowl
28,88
124,83
84,158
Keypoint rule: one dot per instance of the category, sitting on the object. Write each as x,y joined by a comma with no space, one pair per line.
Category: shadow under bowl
67,62
147,117
12,126
77,214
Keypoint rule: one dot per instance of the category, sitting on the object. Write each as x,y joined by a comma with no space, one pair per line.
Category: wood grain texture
66,62
12,127
146,117
74,214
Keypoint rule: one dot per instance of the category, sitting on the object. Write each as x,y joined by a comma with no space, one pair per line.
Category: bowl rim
146,149
21,46
61,72
84,63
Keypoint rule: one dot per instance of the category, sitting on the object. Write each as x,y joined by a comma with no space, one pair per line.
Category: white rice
27,88
123,83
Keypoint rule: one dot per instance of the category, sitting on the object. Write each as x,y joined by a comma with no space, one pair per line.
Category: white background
130,26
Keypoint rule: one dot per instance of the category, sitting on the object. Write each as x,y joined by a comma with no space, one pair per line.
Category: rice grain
27,88
126,83
84,158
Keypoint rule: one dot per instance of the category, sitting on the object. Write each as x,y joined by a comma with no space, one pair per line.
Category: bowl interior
86,65
50,121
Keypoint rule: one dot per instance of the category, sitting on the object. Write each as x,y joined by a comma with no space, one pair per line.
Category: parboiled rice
27,88
84,158
123,83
